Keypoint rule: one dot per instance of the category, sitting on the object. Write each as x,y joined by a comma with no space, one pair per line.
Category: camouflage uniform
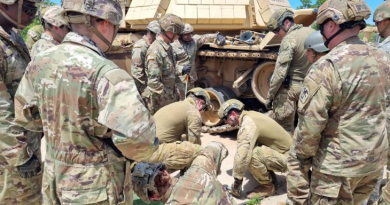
185,53
87,96
46,42
291,63
342,134
160,70
186,119
16,148
138,63
33,35
200,185
271,152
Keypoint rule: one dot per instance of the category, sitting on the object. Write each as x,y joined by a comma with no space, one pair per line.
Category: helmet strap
94,30
17,23
326,43
170,39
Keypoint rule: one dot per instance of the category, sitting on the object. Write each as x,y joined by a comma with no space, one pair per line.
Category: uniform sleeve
283,62
138,64
13,144
181,57
201,40
194,126
121,109
314,103
153,71
244,152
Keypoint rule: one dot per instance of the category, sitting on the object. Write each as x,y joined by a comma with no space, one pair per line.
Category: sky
373,4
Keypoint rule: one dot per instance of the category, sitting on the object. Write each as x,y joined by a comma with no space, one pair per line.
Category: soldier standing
139,53
291,67
187,119
35,32
185,49
20,169
160,65
199,185
341,132
262,147
89,109
55,27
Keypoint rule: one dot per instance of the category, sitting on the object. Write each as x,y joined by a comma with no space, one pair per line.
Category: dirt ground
229,140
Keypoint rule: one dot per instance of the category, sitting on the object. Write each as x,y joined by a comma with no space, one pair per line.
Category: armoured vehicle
240,69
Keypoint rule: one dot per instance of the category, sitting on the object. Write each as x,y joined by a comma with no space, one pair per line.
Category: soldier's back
42,44
33,35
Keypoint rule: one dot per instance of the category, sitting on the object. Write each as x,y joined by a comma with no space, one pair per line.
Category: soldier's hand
268,104
236,188
31,168
186,70
220,40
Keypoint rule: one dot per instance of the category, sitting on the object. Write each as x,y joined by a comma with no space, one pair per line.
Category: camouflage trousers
265,159
285,106
181,88
176,155
155,101
385,197
329,189
298,184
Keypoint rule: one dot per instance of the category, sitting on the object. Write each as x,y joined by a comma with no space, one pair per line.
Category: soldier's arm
181,56
153,71
244,149
283,62
121,109
194,126
314,103
202,39
138,63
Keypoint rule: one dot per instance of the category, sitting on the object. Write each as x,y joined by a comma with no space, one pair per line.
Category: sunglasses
29,9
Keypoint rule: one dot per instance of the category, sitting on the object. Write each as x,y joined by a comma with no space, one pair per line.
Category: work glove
186,70
31,168
220,40
236,188
268,104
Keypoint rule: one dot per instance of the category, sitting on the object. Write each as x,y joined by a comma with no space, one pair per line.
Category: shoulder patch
304,94
151,57
310,88
116,76
137,46
32,33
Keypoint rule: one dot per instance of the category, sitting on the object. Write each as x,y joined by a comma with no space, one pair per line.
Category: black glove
31,168
236,188
220,40
186,70
268,104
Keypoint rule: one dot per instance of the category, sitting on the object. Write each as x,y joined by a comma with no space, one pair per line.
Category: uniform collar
243,113
76,38
386,41
146,40
48,37
294,27
351,40
191,101
162,42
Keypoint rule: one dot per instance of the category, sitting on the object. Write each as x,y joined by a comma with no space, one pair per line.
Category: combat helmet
154,27
229,105
171,23
382,12
315,42
109,10
54,17
143,176
28,9
199,92
187,29
277,18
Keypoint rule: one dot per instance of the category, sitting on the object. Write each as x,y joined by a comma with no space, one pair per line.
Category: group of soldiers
102,142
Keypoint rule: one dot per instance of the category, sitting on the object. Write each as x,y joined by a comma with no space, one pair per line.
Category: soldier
199,185
160,65
35,32
341,131
291,67
55,27
139,53
185,49
89,109
262,147
20,169
186,118
298,184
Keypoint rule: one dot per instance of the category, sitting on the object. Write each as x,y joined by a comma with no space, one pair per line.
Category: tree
307,4
36,21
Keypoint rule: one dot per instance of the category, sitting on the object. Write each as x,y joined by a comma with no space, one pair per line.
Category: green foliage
254,201
307,4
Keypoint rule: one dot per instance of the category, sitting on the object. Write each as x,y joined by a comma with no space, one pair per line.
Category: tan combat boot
264,190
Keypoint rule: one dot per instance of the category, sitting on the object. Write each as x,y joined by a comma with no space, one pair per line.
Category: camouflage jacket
138,63
291,60
14,145
160,69
257,128
77,96
186,119
185,53
47,41
342,111
385,45
33,35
